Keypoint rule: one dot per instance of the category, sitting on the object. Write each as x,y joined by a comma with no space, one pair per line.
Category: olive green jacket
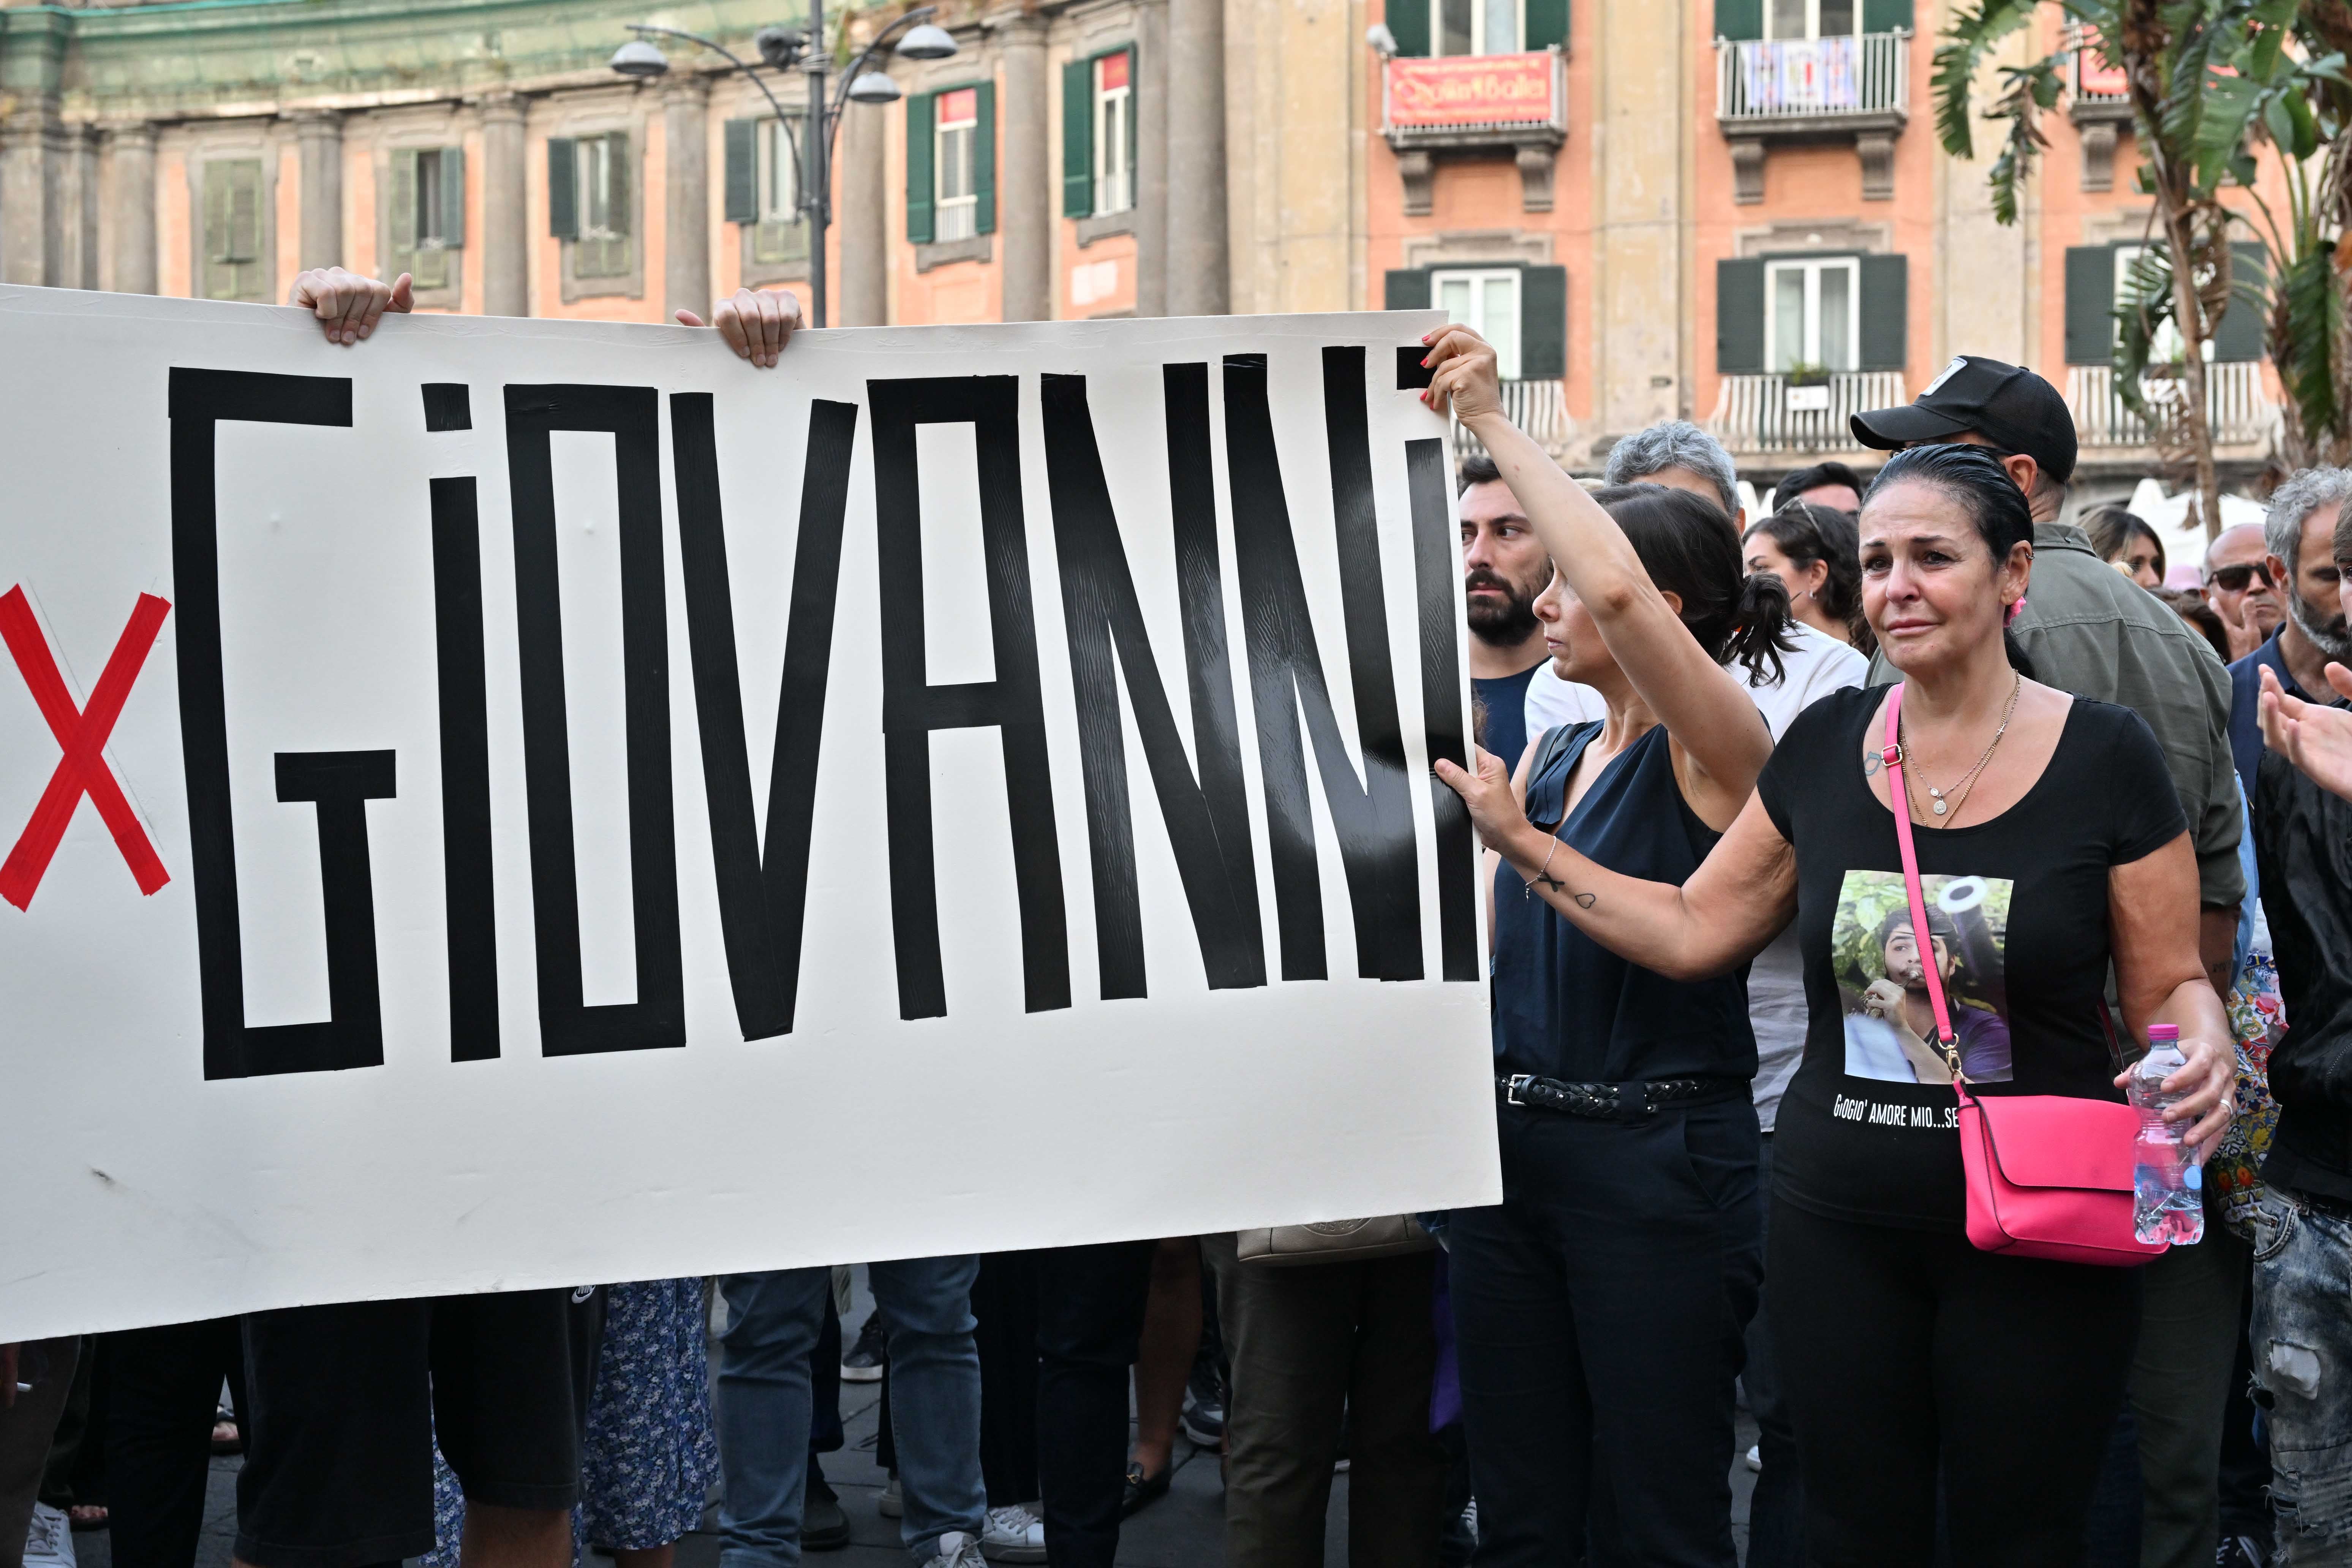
2093,631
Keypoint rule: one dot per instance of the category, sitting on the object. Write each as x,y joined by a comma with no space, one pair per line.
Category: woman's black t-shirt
2017,916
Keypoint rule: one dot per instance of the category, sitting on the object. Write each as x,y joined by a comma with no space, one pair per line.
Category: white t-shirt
1819,664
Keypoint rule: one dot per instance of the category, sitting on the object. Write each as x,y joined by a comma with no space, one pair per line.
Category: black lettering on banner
1208,821
762,901
339,783
449,406
631,415
198,401
912,708
1373,820
1437,562
469,897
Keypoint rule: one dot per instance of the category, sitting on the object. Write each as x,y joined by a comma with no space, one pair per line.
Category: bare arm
1736,902
1706,710
2152,918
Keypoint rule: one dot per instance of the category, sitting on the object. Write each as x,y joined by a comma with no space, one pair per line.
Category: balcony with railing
1761,415
1540,408
2237,406
1479,104
1845,86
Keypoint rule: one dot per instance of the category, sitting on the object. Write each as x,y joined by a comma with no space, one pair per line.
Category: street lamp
782,48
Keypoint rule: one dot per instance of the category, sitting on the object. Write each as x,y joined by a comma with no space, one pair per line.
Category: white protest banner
521,803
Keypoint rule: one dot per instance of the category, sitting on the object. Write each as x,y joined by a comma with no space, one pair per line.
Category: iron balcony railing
1813,79
2237,404
1755,414
1538,407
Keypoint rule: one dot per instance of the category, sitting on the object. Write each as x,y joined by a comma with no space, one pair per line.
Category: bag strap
1900,798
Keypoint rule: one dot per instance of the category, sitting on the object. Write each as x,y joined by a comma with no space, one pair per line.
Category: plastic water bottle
2167,1186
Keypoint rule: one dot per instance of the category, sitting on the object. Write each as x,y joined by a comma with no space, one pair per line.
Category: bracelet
1547,859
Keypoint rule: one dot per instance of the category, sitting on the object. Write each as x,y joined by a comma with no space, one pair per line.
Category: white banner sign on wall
521,803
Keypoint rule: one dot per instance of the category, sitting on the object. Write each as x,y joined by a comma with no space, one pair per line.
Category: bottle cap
2163,1034
2195,1177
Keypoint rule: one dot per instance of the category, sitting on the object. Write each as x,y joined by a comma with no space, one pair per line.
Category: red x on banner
82,733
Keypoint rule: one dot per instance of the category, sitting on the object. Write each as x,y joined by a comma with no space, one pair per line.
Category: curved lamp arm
799,171
915,17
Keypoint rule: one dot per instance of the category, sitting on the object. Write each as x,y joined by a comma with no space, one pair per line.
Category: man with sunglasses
2091,631
2236,580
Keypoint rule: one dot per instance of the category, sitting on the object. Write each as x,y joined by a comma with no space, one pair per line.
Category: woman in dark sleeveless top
1600,1307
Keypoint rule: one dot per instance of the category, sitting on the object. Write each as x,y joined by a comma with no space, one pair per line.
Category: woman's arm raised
1701,704
1737,900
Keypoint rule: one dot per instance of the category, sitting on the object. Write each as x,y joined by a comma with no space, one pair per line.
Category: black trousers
1599,1311
165,1390
1004,1306
1911,1358
1090,1302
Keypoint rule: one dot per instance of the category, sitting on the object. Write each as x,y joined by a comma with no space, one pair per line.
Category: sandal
227,1438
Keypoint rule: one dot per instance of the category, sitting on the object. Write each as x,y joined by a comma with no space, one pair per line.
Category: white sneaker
48,1539
1014,1535
892,1503
1756,1458
957,1550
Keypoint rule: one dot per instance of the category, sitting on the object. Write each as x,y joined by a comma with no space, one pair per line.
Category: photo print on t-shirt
1881,965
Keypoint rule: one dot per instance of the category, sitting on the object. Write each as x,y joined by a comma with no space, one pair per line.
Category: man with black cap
2090,631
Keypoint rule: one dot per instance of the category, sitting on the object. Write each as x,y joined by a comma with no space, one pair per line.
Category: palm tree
2209,81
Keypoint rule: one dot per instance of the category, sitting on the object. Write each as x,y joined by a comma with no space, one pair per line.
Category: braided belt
1614,1101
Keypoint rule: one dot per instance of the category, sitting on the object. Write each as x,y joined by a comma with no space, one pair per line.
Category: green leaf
1972,36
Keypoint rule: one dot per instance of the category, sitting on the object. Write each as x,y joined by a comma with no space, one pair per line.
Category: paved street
1182,1529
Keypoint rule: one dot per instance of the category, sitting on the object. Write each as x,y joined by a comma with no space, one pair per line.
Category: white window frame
1812,22
1484,13
1114,173
1480,278
593,156
1812,267
958,216
778,174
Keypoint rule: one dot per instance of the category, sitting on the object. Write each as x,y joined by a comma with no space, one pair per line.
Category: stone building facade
1728,210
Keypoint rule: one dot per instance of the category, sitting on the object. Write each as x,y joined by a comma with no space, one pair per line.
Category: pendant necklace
1948,802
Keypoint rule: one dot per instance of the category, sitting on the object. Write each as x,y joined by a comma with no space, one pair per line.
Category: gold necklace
1940,801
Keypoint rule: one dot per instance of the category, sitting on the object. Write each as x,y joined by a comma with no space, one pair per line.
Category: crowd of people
1724,1082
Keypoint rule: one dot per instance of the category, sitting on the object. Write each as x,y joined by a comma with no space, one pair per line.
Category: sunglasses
2234,579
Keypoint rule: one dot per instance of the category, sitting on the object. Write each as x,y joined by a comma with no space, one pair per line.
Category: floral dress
651,1455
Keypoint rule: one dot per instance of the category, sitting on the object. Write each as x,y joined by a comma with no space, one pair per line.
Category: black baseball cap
2007,404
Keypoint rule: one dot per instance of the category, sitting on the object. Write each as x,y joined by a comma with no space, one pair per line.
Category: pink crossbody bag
2049,1176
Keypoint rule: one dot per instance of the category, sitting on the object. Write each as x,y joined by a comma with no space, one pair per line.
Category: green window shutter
1409,25
742,170
235,269
1078,139
1547,23
1543,323
1885,311
2244,330
453,197
983,160
921,187
1885,15
623,207
1737,20
220,274
403,205
1740,316
562,188
1134,88
1406,289
2090,304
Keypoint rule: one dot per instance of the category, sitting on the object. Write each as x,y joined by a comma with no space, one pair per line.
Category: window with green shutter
1739,20
1740,316
921,144
962,162
770,201
426,216
604,178
236,266
1489,26
1099,135
1521,310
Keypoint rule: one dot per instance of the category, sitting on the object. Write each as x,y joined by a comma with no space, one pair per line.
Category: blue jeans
2303,1361
763,1405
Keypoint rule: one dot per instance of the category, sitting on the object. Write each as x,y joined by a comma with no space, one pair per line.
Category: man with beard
2300,534
1504,568
2236,582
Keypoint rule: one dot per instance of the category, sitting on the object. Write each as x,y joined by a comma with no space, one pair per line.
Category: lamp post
781,48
